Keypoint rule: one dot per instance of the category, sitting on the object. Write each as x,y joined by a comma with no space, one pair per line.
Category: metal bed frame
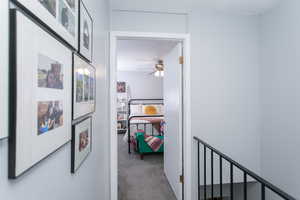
141,102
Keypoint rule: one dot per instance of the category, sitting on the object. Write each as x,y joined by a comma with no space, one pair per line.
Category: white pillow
161,109
136,109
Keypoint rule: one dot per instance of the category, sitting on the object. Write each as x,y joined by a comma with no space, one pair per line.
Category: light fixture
159,74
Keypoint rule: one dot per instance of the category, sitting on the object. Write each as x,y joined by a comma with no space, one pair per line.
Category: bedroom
149,119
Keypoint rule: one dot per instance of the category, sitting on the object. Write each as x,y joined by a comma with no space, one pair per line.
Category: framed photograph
121,87
81,143
4,8
85,33
61,16
41,88
84,87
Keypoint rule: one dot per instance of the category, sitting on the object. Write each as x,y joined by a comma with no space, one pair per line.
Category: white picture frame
61,16
84,87
41,70
85,33
4,68
81,143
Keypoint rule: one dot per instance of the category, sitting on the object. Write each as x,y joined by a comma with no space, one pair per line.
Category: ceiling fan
158,69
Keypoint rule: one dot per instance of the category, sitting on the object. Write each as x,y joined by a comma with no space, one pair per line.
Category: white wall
224,78
173,119
142,85
148,21
225,81
281,96
225,84
51,179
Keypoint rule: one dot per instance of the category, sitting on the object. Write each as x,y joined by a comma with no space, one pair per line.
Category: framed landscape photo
40,120
61,16
81,143
4,8
85,33
84,87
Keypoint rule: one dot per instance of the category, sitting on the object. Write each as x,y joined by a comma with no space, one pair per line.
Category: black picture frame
14,171
74,144
90,108
88,55
38,12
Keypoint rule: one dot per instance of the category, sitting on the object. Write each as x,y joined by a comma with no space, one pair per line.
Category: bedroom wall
51,179
141,84
281,97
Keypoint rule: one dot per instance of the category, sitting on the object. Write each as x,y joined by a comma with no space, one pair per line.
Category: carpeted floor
141,179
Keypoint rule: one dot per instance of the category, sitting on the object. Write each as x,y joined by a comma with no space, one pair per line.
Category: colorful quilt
154,142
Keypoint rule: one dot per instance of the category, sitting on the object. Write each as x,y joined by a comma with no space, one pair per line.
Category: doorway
180,182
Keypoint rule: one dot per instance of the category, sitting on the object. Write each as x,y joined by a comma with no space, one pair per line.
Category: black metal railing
233,164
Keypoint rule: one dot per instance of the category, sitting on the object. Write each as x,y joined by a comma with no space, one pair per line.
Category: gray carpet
141,179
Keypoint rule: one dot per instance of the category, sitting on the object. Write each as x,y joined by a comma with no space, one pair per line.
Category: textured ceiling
141,55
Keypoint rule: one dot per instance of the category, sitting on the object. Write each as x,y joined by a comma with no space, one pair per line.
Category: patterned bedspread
155,121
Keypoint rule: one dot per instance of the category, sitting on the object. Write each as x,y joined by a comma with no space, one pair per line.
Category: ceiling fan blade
152,73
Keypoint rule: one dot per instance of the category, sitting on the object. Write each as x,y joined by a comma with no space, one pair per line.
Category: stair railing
233,164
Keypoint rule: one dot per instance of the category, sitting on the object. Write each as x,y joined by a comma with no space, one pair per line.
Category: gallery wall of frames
52,82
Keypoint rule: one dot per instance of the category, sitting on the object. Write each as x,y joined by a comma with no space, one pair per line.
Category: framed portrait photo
61,16
40,120
4,63
85,33
121,87
81,143
84,87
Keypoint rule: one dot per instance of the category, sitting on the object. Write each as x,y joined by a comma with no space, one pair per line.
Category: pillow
161,109
135,109
150,110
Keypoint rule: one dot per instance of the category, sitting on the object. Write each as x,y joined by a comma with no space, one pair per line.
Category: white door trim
187,136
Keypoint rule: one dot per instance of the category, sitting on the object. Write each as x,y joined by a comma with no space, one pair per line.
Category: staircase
216,191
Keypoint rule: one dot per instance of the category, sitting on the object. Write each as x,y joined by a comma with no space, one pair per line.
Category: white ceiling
247,7
141,55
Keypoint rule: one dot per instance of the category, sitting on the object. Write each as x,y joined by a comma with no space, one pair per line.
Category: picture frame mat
82,109
42,15
77,158
4,68
83,11
27,148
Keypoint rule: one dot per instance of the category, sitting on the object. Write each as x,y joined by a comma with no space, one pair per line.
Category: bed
145,126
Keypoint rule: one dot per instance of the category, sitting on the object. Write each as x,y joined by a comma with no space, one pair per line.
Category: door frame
186,123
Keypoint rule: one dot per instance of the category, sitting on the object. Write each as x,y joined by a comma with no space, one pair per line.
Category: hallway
141,179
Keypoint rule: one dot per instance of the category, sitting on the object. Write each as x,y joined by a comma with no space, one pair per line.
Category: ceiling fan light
162,73
157,74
